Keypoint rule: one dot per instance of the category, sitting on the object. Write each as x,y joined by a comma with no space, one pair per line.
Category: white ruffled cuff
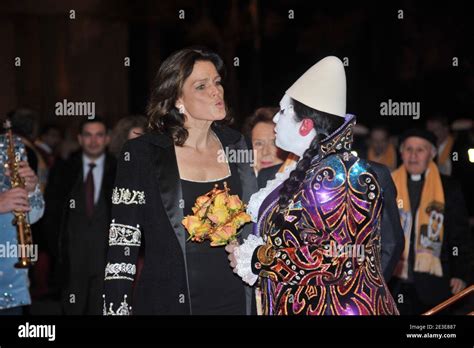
243,256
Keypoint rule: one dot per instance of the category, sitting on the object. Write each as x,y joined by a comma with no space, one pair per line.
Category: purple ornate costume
325,257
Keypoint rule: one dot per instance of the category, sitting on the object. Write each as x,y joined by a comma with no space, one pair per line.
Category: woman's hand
230,248
27,174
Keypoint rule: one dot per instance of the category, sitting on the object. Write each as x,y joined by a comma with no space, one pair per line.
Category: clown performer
316,247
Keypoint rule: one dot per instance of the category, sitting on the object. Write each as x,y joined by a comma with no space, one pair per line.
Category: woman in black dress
160,175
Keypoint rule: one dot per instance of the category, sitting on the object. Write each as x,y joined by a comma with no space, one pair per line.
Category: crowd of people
106,210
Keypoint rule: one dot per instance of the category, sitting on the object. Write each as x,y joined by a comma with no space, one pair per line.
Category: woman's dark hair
163,115
324,124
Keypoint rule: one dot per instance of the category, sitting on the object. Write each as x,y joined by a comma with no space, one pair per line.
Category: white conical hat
322,87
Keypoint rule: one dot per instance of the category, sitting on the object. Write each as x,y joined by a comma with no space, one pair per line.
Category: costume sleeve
35,198
391,232
36,201
128,200
243,255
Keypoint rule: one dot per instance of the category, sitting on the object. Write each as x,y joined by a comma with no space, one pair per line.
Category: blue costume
14,283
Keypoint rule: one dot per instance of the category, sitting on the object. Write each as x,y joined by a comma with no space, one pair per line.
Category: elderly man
434,220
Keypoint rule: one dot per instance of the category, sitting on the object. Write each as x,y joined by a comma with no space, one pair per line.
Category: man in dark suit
78,213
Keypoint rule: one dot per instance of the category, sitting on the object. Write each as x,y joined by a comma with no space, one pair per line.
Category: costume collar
340,140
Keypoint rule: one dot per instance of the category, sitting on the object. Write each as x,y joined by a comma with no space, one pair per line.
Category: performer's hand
27,174
457,285
14,199
230,248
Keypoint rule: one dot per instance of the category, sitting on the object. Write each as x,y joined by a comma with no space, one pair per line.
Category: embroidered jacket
147,211
324,259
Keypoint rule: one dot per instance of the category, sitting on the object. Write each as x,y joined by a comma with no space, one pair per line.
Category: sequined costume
14,283
324,258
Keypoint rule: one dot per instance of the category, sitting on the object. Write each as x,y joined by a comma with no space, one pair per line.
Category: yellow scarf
388,158
446,151
429,227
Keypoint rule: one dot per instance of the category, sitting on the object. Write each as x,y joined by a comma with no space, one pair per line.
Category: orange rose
218,215
202,232
201,200
241,219
191,222
220,200
234,203
223,234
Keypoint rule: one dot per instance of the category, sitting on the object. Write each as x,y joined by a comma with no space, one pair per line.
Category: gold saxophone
25,239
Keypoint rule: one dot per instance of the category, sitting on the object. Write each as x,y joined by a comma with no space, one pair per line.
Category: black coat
148,167
65,192
392,238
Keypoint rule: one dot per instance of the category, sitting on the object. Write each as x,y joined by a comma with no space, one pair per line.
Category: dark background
82,59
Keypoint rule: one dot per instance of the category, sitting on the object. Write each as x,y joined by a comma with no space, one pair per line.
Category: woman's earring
181,109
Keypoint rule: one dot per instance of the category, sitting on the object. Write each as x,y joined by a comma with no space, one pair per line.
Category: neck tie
89,189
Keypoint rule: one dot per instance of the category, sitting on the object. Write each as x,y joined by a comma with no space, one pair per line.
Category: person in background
360,146
14,283
126,128
260,128
380,148
439,126
434,219
77,215
24,124
48,141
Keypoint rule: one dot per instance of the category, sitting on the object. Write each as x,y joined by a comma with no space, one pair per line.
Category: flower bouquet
217,216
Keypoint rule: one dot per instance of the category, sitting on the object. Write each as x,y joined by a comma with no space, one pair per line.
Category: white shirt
97,172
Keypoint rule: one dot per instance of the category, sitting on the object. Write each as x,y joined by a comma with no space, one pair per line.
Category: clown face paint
287,129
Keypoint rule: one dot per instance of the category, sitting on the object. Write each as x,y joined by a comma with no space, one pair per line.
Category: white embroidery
124,308
123,195
113,270
243,255
124,235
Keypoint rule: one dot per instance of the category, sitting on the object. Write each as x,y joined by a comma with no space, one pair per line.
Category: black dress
214,288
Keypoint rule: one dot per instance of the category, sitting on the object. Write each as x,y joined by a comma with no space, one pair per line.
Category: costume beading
324,258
